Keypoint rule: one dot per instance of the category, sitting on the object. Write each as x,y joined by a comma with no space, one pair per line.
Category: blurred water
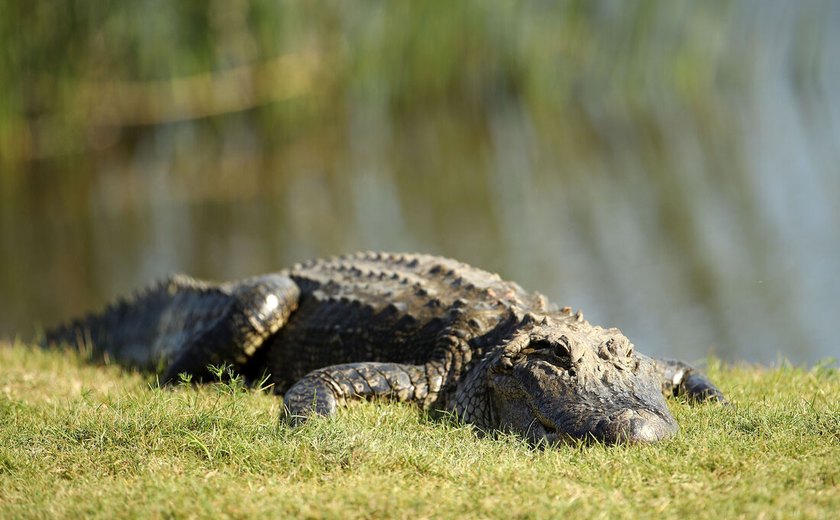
668,167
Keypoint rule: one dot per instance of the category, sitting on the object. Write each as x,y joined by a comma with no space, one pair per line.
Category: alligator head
562,379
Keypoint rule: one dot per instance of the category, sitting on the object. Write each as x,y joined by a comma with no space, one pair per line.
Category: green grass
79,440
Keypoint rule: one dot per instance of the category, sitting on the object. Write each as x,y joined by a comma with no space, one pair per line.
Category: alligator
406,327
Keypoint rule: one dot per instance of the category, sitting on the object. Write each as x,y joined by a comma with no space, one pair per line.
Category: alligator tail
140,331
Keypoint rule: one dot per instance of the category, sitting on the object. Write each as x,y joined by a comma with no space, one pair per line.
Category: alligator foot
681,379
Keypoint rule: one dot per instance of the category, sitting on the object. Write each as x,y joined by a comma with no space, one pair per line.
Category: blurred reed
668,166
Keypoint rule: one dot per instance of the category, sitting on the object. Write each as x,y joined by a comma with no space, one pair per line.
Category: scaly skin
405,327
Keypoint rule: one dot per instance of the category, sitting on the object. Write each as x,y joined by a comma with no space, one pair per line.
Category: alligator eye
562,348
541,345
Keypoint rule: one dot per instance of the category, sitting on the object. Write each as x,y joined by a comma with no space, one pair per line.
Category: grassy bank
78,440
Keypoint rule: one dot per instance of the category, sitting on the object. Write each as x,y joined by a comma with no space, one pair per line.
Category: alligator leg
322,391
256,309
680,378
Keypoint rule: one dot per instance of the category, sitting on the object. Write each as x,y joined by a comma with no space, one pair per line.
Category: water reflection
669,167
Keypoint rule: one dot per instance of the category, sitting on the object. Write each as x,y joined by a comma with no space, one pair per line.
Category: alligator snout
639,426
